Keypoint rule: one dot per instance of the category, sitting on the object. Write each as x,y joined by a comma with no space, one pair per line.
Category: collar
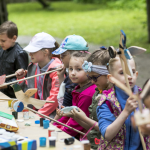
9,49
78,89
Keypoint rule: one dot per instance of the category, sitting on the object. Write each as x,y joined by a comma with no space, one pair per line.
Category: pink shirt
82,98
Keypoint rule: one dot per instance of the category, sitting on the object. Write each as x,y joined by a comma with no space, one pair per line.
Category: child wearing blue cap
69,45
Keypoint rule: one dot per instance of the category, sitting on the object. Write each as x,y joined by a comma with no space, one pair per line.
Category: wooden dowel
30,77
11,75
54,120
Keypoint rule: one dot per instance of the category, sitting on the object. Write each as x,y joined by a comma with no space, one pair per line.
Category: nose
129,77
73,72
93,82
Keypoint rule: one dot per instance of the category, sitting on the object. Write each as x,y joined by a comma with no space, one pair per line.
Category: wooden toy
4,84
3,78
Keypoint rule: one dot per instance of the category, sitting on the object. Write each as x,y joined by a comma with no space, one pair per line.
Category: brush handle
54,120
29,77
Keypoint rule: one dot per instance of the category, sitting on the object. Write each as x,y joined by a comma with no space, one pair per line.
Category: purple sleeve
83,104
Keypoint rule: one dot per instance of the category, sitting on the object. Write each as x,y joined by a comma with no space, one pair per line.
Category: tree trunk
148,19
3,11
44,3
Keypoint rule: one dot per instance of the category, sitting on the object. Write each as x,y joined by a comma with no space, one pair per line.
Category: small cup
54,134
86,145
50,129
45,124
41,122
42,141
52,141
9,103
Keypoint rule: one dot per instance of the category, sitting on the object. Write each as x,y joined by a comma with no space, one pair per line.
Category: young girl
40,50
71,43
115,110
82,95
97,73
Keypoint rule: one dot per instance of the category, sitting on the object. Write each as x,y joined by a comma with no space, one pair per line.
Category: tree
148,19
3,11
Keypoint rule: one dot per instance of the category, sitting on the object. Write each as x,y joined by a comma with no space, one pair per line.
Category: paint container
45,124
9,103
52,141
86,145
42,141
15,114
41,122
26,114
54,134
50,129
69,141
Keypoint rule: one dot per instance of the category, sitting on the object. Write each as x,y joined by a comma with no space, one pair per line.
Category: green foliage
95,22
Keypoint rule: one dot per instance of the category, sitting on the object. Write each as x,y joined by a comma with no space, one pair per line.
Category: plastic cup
45,124
9,103
54,134
42,141
52,141
50,129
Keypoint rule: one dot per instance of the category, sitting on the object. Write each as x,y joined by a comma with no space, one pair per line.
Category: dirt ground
142,61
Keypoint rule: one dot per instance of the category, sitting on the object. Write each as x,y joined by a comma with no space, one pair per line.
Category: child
98,76
82,95
12,56
115,110
72,43
40,50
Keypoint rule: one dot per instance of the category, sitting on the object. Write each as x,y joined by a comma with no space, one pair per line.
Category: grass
95,22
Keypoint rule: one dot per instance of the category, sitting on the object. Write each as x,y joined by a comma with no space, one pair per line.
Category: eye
121,72
133,71
78,69
70,69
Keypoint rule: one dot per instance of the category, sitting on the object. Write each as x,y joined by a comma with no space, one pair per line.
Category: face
6,42
39,57
76,73
65,57
118,72
101,82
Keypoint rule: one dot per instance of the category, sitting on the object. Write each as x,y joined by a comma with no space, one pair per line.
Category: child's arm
48,108
110,130
83,120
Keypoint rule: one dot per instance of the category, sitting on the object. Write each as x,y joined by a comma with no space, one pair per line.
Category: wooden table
35,131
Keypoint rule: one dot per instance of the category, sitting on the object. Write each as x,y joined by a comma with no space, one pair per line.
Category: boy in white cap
71,43
40,50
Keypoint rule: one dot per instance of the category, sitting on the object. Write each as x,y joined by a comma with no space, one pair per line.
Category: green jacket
92,109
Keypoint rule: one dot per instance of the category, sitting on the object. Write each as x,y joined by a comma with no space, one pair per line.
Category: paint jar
45,124
26,114
54,134
15,114
52,141
69,141
50,129
9,103
42,141
86,145
41,122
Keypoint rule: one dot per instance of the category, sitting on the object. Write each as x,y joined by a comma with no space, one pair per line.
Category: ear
109,78
14,38
137,73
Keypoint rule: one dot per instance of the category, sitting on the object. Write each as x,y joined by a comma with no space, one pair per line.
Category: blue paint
42,141
52,141
45,124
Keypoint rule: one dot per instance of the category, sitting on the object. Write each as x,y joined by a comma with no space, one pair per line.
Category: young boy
40,50
12,56
69,45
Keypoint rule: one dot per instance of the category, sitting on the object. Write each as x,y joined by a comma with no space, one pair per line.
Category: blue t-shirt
69,87
105,118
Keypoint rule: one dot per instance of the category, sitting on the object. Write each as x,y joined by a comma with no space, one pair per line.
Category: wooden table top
35,131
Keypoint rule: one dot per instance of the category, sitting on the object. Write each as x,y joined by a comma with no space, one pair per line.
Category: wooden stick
30,77
11,75
54,120
9,99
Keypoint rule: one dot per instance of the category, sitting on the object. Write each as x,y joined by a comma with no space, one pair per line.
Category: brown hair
99,57
81,54
9,28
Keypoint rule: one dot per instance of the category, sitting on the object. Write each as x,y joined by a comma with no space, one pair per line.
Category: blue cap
37,121
72,42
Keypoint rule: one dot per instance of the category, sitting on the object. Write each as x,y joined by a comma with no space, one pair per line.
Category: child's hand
61,113
60,73
131,105
20,73
78,114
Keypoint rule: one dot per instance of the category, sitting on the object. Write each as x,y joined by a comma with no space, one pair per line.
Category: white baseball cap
39,41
